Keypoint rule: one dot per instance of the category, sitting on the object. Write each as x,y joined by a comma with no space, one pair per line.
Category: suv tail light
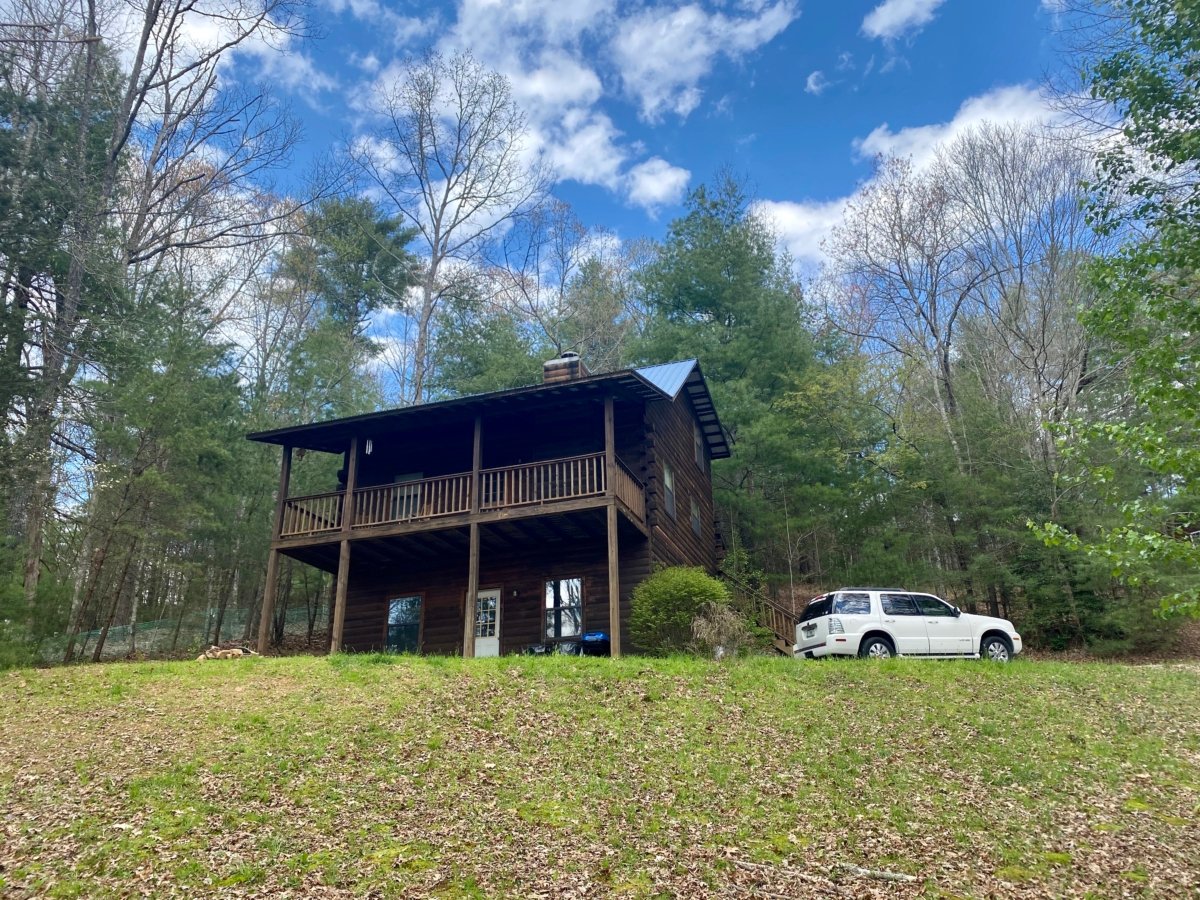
835,626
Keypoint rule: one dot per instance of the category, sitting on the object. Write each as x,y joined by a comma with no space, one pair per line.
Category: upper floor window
698,444
669,489
695,517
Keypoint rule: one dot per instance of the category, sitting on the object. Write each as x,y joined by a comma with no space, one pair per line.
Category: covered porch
407,495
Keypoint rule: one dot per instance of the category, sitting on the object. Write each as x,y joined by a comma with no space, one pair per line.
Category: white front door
487,623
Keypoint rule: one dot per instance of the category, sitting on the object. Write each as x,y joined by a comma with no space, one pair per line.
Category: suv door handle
890,621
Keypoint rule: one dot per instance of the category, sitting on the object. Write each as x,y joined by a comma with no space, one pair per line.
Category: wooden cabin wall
507,440
669,438
443,587
444,450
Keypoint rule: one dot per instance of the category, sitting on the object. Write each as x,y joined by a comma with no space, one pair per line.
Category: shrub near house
665,605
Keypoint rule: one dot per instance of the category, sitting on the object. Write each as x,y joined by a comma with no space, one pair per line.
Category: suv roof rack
898,590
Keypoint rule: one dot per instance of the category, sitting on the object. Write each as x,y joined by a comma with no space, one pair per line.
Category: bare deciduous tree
451,156
163,156
905,255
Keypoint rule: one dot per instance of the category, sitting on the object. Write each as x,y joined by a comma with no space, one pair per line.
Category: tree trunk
97,565
116,601
225,596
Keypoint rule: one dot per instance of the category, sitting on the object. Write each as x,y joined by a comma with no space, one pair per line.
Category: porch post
268,604
473,559
610,485
472,592
343,572
339,603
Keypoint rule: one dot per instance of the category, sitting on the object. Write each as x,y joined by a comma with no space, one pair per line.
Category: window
932,606
695,517
698,442
898,605
487,615
669,489
404,624
852,604
564,608
817,608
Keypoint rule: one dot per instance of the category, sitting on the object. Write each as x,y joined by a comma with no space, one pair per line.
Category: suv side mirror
957,611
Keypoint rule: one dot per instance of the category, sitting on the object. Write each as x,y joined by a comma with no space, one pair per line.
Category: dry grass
400,777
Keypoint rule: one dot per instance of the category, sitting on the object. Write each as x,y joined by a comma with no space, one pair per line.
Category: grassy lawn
405,777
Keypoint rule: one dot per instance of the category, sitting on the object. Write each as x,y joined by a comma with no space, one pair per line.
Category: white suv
885,622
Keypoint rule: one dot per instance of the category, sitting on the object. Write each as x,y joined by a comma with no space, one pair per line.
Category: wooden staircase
768,613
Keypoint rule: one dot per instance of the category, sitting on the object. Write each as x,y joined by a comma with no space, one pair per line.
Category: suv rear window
852,604
817,608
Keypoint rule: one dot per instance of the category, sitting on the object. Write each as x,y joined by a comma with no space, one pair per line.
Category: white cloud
1016,103
656,183
663,54
556,81
802,226
816,83
584,147
401,29
568,60
894,18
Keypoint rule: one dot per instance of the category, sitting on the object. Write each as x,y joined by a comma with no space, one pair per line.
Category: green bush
666,603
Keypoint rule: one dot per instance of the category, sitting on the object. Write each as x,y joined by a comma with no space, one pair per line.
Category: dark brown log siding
669,438
443,588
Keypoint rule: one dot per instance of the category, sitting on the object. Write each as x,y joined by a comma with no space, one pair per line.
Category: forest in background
989,391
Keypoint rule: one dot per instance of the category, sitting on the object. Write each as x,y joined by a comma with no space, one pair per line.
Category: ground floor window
404,624
564,608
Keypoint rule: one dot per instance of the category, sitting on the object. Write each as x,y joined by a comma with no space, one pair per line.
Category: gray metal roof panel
668,377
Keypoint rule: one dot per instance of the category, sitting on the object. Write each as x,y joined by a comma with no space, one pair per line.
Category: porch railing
314,514
630,491
549,481
427,498
542,482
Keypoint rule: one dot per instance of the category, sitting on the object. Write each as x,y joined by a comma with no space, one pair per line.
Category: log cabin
490,524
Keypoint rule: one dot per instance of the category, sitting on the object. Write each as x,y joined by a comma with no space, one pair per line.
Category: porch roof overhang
662,382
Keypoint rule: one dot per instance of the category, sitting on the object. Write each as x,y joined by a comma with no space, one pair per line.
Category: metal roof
647,383
668,377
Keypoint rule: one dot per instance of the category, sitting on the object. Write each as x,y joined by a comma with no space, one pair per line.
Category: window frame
845,596
546,610
387,618
885,597
669,496
698,446
817,607
947,614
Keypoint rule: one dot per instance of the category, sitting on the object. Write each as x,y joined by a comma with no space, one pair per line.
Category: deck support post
610,489
339,600
614,584
472,594
343,572
473,558
268,604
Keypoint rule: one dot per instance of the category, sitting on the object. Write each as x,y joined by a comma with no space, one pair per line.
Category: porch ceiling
507,538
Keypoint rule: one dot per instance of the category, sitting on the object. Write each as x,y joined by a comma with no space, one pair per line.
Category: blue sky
634,103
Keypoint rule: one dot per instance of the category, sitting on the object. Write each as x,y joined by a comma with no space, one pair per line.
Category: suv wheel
876,648
996,649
